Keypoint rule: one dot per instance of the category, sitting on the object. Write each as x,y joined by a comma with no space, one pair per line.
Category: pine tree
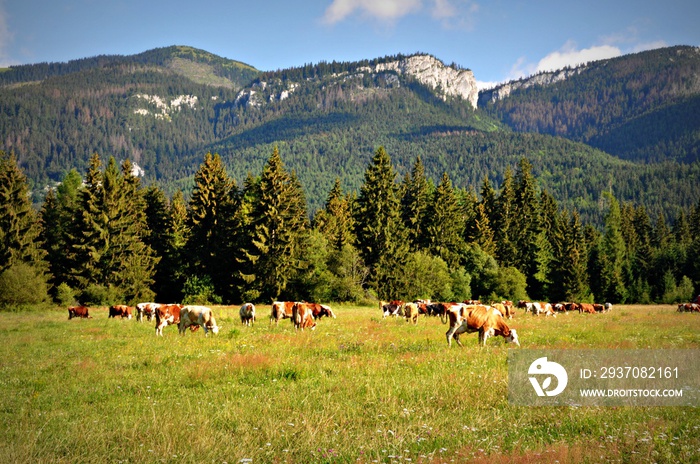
378,225
444,224
275,234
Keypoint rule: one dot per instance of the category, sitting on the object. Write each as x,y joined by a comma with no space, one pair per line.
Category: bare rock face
547,78
430,71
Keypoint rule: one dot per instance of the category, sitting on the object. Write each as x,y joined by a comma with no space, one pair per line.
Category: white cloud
443,9
450,13
380,9
568,55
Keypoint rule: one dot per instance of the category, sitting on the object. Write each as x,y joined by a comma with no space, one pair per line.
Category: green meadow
357,389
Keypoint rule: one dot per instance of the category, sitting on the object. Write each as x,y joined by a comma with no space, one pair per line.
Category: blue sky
498,40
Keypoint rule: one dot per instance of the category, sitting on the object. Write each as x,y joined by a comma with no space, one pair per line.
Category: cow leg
454,332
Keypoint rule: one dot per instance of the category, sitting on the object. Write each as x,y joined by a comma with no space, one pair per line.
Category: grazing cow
168,314
537,308
197,315
78,311
608,307
281,310
586,308
410,310
247,313
146,309
320,310
503,309
689,307
483,319
302,316
392,308
599,308
122,311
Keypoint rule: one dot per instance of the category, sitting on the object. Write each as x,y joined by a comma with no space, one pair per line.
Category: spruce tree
276,233
612,256
414,202
57,214
89,235
21,255
504,221
526,224
212,204
335,221
443,225
378,226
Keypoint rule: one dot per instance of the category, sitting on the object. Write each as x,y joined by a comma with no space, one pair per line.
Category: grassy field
357,389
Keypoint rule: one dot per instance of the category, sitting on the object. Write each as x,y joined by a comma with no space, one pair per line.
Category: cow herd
466,317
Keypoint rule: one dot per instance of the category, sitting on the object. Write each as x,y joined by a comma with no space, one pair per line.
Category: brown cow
168,314
122,311
483,319
78,311
586,308
302,316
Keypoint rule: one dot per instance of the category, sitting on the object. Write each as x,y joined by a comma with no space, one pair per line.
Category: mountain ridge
165,108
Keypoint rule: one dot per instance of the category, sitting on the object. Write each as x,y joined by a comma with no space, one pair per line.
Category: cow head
513,337
327,311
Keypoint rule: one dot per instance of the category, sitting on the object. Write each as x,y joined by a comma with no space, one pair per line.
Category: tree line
106,239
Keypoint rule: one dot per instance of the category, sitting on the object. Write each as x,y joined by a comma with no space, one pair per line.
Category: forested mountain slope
165,108
641,107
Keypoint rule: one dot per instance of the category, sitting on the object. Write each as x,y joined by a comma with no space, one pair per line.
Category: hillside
165,108
641,107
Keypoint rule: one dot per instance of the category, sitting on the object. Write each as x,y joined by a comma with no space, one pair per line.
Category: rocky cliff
429,71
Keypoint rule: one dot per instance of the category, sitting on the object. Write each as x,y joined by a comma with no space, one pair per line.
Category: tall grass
357,389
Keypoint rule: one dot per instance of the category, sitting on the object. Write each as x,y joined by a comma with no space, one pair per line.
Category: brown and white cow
391,308
79,311
247,313
281,310
537,308
485,320
168,314
197,315
302,316
122,311
146,309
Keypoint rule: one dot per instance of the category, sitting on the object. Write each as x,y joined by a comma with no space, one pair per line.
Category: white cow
197,315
